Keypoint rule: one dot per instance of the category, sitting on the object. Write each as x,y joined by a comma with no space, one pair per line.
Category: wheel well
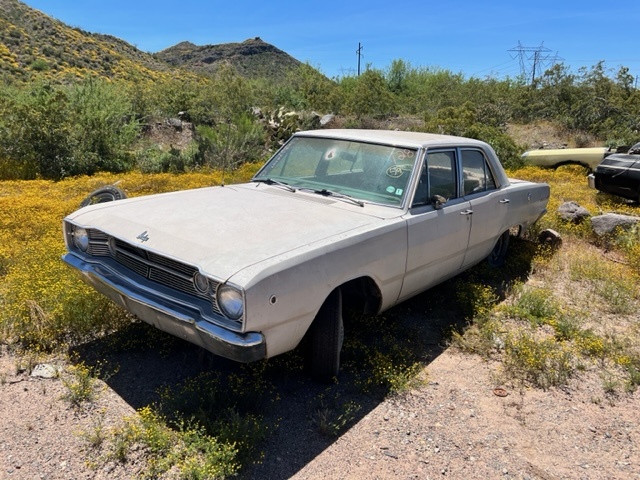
516,231
573,162
361,294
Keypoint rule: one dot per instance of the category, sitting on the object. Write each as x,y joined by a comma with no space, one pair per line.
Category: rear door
489,205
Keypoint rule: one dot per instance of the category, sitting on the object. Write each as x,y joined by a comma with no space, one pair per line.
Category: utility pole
359,54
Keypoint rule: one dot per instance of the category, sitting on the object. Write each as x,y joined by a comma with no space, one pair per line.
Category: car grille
155,268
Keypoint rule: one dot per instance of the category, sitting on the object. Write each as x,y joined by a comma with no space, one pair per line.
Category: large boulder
327,119
607,223
573,212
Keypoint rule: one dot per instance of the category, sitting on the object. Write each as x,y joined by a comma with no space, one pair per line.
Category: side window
438,177
477,176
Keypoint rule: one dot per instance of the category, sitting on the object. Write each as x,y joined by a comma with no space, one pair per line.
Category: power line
533,59
497,69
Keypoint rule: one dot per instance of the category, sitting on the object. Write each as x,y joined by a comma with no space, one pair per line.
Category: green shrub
544,362
468,120
187,450
53,131
80,384
39,65
156,160
228,145
368,96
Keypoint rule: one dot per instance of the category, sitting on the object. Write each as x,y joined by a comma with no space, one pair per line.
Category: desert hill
32,44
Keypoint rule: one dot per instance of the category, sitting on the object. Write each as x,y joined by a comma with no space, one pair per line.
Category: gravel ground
41,434
461,424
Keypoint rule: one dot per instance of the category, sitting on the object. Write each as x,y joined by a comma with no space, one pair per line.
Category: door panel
437,241
489,205
438,233
487,223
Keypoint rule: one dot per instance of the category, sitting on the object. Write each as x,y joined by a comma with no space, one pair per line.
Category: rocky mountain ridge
35,45
252,58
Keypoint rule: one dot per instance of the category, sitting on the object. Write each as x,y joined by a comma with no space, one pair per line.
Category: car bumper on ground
173,318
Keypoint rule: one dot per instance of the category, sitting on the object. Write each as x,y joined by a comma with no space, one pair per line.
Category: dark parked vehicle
619,174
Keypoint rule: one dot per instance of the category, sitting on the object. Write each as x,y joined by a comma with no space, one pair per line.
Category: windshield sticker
395,171
404,154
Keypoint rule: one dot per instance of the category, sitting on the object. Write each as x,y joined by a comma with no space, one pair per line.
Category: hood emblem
143,237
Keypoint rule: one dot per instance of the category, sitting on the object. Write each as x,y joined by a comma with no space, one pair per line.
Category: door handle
504,200
466,212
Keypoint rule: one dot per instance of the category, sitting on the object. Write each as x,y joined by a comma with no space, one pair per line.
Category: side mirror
438,201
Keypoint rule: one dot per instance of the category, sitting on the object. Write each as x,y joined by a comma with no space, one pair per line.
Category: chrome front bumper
591,180
171,317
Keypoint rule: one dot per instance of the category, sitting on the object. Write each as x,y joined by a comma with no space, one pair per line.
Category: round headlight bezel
112,246
201,283
80,238
230,301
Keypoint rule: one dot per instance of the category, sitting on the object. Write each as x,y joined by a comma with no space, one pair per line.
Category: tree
397,76
369,96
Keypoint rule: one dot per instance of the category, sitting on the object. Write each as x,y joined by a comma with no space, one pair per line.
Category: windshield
369,172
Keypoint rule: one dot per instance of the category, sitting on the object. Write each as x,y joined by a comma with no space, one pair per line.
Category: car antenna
225,154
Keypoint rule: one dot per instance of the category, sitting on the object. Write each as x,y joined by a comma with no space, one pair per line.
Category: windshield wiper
329,193
271,181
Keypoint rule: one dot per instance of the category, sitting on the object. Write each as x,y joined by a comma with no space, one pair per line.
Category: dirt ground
461,424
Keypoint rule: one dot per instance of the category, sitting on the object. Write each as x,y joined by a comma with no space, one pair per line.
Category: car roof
393,137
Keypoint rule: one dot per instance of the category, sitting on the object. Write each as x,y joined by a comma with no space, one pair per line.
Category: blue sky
471,37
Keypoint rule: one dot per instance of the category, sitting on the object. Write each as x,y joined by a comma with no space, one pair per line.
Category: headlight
80,238
201,283
230,301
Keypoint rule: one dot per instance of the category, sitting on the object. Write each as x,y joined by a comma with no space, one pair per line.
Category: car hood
619,162
223,230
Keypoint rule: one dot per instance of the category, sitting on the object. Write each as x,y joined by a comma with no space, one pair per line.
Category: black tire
498,255
102,195
326,337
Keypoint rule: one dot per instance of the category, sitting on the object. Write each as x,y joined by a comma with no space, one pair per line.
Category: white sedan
252,270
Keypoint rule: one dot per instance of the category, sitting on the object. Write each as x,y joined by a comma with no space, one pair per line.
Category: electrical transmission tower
533,59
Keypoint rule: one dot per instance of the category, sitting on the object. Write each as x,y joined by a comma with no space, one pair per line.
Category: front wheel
326,337
498,255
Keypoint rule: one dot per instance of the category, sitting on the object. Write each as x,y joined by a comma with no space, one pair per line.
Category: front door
438,234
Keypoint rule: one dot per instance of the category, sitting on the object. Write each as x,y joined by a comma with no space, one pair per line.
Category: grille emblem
143,237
